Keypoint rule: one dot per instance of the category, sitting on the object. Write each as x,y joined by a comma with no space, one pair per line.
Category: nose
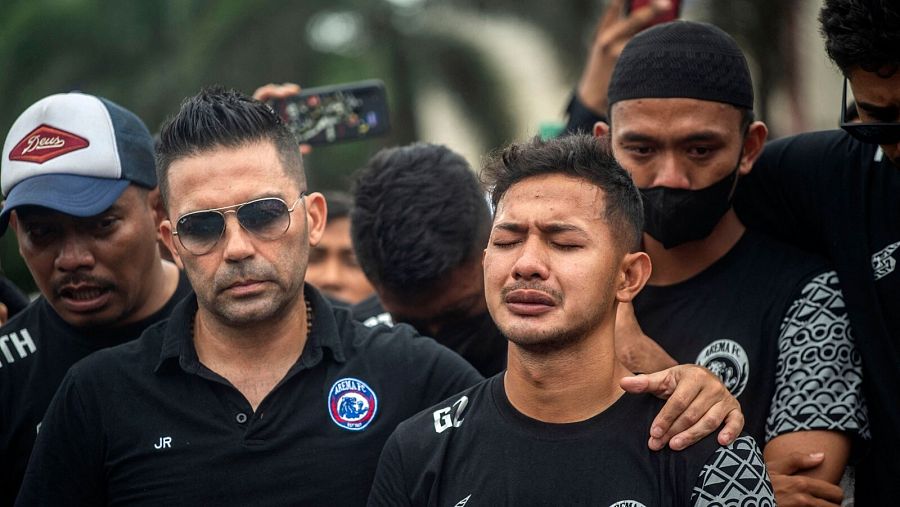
532,261
237,243
75,253
669,173
332,273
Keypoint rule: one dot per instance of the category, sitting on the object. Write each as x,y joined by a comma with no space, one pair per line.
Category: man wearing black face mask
767,318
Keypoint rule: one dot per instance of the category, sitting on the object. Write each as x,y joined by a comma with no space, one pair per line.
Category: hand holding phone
330,114
665,12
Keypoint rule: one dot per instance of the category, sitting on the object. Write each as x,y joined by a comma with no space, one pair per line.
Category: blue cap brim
80,196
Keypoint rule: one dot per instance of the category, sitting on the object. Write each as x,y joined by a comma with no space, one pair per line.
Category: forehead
666,117
222,176
871,88
128,204
550,198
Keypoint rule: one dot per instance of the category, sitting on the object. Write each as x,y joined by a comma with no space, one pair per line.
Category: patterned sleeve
734,476
818,378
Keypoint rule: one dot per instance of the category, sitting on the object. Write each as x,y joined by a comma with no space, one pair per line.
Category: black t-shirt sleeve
818,377
734,475
782,196
389,487
66,466
580,117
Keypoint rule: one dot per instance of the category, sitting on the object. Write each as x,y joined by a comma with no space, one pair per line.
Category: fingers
660,384
704,413
798,490
276,91
696,406
610,16
734,423
635,384
795,462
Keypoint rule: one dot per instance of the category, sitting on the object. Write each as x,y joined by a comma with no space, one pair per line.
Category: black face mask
674,216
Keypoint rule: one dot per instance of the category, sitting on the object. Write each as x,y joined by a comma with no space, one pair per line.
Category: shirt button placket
241,418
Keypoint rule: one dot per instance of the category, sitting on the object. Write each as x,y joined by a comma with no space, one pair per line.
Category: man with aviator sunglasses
256,391
836,193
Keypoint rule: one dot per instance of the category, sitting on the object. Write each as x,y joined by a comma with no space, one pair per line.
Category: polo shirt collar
178,343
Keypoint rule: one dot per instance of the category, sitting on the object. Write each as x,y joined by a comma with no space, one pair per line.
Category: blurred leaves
150,55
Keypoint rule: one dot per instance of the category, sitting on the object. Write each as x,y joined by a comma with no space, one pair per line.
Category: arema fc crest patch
727,359
352,404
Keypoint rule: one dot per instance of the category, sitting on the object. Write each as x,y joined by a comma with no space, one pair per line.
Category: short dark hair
217,117
580,156
339,204
419,212
864,33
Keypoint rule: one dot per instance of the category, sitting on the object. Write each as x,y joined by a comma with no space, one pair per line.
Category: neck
568,385
270,343
678,264
162,282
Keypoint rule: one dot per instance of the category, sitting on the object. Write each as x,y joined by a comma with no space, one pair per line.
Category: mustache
231,274
75,279
532,285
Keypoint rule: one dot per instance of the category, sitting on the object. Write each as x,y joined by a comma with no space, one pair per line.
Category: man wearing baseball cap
79,180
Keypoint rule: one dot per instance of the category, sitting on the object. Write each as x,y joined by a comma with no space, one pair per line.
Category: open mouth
84,298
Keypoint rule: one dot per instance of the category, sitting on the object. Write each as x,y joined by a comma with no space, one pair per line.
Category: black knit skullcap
683,59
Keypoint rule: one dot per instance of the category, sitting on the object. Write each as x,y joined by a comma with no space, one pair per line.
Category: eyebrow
551,228
702,136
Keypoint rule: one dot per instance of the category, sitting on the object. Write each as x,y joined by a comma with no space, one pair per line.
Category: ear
601,129
168,239
753,146
154,200
316,216
633,275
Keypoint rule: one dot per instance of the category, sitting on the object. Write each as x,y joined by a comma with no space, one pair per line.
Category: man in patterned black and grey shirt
767,318
556,428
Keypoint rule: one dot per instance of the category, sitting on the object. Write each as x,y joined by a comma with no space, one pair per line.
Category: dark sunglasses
268,218
871,133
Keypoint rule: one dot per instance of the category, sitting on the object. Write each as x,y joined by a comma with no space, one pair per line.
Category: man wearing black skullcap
768,318
838,193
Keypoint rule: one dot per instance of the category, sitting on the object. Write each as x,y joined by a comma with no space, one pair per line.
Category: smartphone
670,15
331,114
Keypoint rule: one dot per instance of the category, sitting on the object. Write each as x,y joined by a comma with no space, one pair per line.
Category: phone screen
332,114
670,15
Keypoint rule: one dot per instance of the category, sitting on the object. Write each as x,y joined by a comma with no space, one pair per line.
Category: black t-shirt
37,347
146,423
770,320
831,194
477,449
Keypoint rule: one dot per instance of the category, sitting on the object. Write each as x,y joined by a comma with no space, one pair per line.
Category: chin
542,341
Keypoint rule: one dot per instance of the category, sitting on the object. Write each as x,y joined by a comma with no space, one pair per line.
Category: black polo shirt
147,423
37,347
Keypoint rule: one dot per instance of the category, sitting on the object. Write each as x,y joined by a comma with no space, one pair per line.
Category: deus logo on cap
45,143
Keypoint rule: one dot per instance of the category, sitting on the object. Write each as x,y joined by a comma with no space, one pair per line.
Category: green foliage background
149,55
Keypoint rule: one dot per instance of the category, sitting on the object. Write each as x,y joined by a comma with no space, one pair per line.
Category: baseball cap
74,153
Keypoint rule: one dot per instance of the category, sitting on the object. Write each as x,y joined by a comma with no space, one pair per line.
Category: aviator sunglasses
871,133
267,218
